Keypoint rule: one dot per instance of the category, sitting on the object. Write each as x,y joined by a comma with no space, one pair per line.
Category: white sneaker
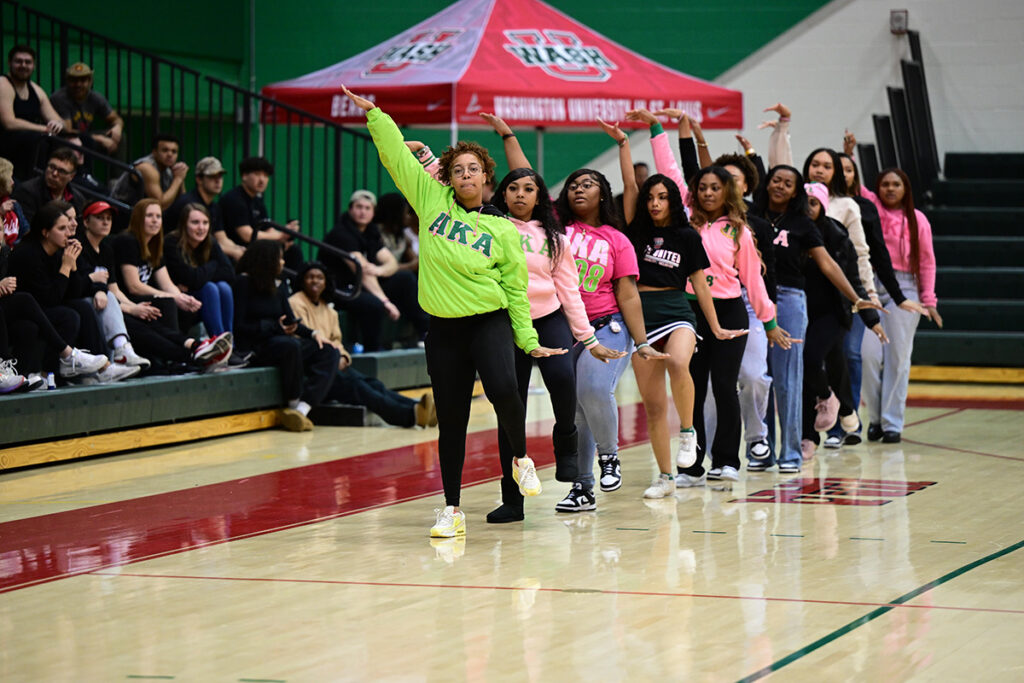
850,423
687,453
686,481
115,373
715,473
213,350
729,474
449,523
525,475
10,380
661,487
36,382
126,356
81,363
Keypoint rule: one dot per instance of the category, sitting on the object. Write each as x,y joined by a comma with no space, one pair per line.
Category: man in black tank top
26,114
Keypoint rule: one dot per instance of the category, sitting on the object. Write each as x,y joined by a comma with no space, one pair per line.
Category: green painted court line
789,535
957,542
861,538
874,614
707,532
629,528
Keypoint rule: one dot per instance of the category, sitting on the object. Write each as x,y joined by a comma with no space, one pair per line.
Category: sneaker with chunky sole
760,450
611,472
789,468
687,453
81,363
833,442
449,523
729,474
126,355
115,373
214,350
715,473
688,481
662,487
525,474
10,379
579,499
850,423
757,465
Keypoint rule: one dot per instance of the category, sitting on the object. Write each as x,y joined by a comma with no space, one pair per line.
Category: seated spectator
97,262
313,292
198,266
386,289
55,183
15,223
46,266
243,210
266,325
81,108
143,279
396,218
26,114
209,183
163,176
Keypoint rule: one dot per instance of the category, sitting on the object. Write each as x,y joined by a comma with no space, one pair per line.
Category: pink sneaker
828,413
807,449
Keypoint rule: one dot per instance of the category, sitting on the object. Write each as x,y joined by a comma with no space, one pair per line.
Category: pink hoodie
665,161
553,285
897,239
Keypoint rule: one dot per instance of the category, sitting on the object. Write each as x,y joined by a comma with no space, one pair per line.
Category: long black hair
854,189
46,217
543,211
607,208
262,263
642,224
390,213
836,186
797,203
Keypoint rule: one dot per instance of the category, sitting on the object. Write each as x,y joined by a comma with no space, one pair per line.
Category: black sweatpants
559,374
307,370
719,358
823,333
27,325
76,321
354,388
368,311
458,349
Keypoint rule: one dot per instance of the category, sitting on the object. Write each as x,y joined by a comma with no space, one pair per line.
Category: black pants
296,358
838,372
76,321
27,325
720,359
402,289
355,388
457,349
559,374
824,332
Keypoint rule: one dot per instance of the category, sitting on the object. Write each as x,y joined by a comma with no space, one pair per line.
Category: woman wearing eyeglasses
473,281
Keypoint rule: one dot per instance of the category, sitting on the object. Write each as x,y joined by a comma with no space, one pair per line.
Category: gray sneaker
81,363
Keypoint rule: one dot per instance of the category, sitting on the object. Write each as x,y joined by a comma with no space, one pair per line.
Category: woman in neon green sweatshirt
473,282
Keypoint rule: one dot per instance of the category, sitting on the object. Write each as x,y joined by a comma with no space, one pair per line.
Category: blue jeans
787,368
597,413
887,368
218,309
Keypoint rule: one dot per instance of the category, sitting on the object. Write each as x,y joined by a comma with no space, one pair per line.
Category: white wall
832,70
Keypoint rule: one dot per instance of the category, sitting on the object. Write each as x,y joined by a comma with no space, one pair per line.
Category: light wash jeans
788,374
887,367
597,413
111,321
218,309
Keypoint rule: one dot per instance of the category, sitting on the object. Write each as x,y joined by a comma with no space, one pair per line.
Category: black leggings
719,358
457,349
559,374
823,333
28,324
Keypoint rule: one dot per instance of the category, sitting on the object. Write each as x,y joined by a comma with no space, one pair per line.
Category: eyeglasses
586,186
467,172
54,168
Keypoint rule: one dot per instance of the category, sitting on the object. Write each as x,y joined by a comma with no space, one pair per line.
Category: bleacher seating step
975,283
981,315
998,192
984,165
978,251
343,415
978,221
397,369
988,349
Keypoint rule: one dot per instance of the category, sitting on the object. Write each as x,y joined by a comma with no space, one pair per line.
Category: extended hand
729,334
361,102
651,353
781,337
614,131
544,352
641,115
604,354
499,126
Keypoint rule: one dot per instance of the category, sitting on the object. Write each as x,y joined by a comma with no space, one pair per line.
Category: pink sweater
665,161
897,239
731,267
553,285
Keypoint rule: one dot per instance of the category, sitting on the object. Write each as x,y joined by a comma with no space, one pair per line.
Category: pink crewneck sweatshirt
553,284
897,239
731,267
665,161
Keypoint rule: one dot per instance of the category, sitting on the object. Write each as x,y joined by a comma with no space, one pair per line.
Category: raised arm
779,149
629,188
664,161
513,151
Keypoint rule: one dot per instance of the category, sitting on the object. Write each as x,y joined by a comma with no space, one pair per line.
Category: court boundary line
874,614
662,594
962,450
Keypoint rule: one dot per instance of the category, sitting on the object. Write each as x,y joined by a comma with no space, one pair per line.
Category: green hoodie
470,263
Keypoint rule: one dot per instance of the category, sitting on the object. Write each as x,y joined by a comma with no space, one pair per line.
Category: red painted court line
388,584
933,417
966,403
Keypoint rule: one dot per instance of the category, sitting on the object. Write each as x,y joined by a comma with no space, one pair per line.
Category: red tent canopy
525,61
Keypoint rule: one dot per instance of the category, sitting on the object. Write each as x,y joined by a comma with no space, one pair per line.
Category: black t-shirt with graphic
666,256
127,252
794,236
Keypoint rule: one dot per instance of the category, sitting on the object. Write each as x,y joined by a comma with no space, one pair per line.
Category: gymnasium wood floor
274,556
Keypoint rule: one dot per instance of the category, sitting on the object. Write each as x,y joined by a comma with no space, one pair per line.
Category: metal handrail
47,142
351,290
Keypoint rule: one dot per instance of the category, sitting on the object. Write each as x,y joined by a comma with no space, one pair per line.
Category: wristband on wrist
641,345
506,136
783,118
750,152
702,144
622,142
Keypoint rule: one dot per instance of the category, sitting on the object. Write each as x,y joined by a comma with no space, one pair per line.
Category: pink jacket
897,239
665,161
731,266
553,285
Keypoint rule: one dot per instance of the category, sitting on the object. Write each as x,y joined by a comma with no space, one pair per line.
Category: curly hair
735,208
746,166
460,148
543,211
642,224
262,263
608,209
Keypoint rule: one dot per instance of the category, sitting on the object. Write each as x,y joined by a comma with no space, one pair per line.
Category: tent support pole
455,121
539,159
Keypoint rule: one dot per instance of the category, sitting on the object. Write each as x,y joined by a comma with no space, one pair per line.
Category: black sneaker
504,514
578,500
874,432
851,439
238,359
611,476
891,437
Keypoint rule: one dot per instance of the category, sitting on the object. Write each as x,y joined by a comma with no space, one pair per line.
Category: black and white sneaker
757,465
578,500
715,473
759,450
611,475
834,441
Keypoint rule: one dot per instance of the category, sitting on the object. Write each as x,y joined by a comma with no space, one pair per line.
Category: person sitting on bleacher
163,176
26,115
55,183
382,281
311,302
82,108
143,279
243,209
209,183
266,325
46,266
15,222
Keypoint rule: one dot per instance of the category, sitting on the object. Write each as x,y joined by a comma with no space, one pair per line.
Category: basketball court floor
274,556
